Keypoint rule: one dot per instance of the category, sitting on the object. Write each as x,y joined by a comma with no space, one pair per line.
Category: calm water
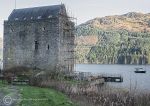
131,80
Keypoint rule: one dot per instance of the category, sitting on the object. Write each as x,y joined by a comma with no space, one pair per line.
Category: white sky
83,10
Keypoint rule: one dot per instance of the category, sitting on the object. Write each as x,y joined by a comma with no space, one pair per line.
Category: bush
20,72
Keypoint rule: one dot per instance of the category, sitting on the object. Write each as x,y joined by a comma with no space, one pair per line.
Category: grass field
35,96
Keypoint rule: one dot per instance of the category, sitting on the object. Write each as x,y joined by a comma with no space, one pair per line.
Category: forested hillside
119,39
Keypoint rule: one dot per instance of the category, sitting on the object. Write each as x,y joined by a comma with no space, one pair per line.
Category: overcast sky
83,10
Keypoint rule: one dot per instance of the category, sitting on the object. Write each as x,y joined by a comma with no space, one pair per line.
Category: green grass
4,88
1,84
31,95
35,96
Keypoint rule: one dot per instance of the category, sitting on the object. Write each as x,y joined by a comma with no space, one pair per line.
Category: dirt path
9,95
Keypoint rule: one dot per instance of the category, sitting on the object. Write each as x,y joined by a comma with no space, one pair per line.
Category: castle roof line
43,12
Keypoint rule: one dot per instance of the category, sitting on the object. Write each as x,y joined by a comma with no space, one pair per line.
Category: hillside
122,39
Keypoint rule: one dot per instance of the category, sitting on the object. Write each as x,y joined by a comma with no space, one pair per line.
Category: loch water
131,80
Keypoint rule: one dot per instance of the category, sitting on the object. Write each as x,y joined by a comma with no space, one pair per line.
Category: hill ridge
117,39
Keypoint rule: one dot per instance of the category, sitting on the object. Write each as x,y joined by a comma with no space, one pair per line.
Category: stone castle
39,37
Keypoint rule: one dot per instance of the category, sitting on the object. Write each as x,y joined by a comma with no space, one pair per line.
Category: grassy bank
4,89
34,96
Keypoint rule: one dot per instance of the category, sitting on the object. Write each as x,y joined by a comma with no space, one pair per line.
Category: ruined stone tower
39,37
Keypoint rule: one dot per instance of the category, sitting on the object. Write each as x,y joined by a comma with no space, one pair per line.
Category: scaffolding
68,41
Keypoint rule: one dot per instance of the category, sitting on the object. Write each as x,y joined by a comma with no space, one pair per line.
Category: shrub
19,72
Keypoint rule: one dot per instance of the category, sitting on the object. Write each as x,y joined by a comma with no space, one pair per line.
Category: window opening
36,45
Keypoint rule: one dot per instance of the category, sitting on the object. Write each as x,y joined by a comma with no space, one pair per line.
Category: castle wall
39,37
31,43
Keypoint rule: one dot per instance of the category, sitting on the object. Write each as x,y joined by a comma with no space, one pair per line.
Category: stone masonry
39,37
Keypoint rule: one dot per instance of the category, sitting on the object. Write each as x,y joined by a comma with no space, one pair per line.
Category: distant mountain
122,39
135,22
